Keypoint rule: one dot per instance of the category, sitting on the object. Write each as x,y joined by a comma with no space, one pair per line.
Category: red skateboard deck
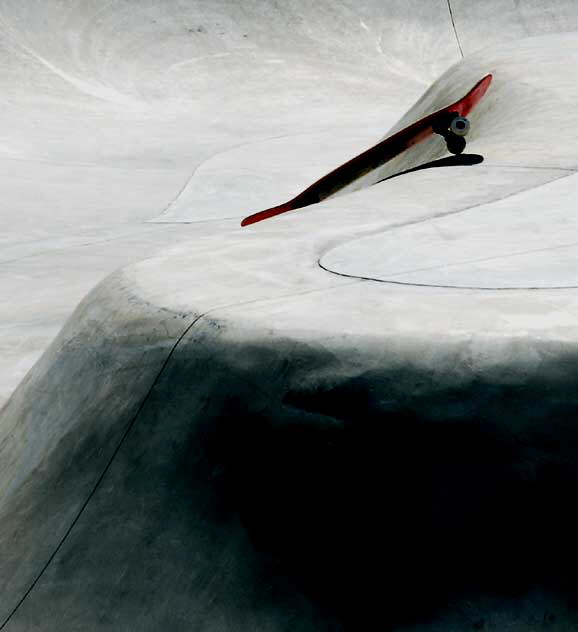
375,156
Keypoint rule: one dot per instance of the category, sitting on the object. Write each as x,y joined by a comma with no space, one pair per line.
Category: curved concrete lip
528,241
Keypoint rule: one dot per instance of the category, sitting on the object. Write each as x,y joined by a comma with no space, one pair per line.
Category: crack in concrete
455,30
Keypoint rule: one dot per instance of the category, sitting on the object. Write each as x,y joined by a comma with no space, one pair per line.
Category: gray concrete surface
358,415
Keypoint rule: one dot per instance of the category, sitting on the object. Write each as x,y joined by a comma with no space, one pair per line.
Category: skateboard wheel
460,126
456,144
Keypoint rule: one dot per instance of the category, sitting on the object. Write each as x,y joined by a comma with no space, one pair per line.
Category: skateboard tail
267,213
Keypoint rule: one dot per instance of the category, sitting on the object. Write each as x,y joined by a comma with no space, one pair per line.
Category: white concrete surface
130,126
120,113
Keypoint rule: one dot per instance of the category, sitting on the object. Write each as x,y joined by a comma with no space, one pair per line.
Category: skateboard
449,122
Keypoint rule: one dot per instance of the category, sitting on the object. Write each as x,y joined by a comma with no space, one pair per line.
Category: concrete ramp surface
360,414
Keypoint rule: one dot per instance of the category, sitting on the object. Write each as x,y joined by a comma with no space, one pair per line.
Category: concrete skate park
361,414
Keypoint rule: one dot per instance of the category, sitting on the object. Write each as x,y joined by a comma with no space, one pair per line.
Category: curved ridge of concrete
226,437
516,234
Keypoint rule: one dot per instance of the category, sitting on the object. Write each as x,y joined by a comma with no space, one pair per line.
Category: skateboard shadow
463,160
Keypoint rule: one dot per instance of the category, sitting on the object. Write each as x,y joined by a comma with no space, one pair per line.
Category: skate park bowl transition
361,414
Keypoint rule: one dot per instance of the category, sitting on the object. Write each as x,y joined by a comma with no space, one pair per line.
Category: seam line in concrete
449,287
101,477
454,27
445,214
509,255
128,430
86,244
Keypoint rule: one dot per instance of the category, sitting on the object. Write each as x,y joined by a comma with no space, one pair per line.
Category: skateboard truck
454,128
